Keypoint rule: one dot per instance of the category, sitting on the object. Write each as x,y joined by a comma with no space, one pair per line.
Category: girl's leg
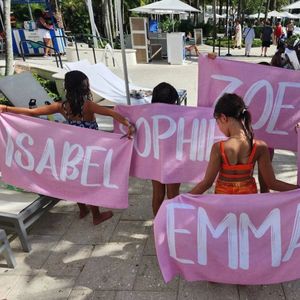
173,190
100,217
158,195
48,43
83,210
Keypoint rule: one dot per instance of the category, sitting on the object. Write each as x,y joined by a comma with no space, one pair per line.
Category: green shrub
224,42
3,100
207,29
49,86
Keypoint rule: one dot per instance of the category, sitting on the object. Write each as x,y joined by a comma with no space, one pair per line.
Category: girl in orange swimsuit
233,160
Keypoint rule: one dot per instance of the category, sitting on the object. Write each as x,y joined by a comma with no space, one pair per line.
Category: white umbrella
296,16
255,16
211,16
274,14
173,6
293,5
286,14
156,11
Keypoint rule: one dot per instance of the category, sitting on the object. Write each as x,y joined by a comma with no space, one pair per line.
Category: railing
90,41
74,39
57,54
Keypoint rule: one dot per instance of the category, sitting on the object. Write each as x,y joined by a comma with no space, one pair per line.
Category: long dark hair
232,105
77,91
164,93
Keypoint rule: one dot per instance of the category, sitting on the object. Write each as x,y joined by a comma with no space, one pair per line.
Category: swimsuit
238,178
80,123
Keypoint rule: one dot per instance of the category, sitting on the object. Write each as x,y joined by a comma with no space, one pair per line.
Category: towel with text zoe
272,95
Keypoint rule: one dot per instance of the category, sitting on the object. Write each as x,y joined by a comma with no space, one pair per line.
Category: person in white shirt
249,36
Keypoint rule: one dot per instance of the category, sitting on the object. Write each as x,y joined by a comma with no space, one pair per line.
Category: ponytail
246,119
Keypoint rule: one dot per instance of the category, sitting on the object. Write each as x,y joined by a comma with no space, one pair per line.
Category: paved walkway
72,259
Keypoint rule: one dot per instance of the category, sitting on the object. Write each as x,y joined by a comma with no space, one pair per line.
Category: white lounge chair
107,85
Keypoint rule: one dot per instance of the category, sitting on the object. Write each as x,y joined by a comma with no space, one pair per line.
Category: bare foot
102,217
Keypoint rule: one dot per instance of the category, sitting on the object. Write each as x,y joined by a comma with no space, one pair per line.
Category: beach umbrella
294,5
173,6
274,14
255,16
286,14
168,7
211,16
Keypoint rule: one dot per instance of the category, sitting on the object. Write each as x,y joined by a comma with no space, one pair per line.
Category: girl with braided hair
233,160
79,110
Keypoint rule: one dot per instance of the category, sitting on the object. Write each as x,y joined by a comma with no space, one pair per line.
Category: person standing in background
249,36
290,29
237,41
278,32
44,30
266,37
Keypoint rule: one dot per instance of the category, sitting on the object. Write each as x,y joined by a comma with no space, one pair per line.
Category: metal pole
120,21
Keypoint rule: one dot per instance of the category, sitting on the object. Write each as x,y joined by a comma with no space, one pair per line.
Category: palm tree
9,58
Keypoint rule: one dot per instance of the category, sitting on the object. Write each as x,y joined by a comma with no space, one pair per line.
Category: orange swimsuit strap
238,167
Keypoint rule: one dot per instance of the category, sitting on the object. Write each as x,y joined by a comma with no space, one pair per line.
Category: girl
163,93
234,159
79,110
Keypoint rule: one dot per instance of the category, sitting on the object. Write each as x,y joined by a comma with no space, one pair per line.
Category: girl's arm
266,169
34,112
101,110
212,171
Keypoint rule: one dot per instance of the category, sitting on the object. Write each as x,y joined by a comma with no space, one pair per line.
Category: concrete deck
72,259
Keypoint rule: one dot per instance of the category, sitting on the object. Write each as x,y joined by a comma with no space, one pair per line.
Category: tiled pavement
72,259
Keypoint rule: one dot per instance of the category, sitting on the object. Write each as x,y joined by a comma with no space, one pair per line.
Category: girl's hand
130,130
297,126
212,55
3,108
